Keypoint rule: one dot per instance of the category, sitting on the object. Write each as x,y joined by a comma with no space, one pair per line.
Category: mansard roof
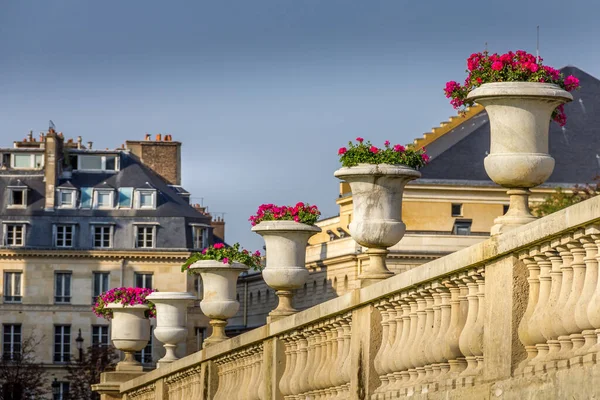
458,154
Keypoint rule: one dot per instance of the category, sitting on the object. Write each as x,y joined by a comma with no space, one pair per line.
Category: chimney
147,136
53,144
30,136
79,142
218,225
163,157
89,145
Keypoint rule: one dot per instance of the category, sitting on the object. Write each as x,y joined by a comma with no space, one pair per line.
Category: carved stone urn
286,243
130,332
377,191
171,320
520,115
219,294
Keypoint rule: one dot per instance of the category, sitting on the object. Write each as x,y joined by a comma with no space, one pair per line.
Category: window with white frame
62,392
98,163
145,355
145,236
67,198
12,287
145,198
17,197
62,287
100,284
14,234
63,235
102,236
27,160
100,335
11,341
104,198
62,343
143,280
200,235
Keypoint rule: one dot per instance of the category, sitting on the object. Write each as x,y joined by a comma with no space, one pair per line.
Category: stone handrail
478,321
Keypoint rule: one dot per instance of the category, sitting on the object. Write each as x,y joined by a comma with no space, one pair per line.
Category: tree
21,376
82,375
561,199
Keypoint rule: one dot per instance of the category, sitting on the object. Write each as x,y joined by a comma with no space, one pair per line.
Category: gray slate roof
576,148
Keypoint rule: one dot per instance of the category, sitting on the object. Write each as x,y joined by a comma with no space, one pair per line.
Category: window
104,198
462,227
100,335
62,287
199,288
145,355
200,336
97,163
86,197
145,198
62,343
64,235
103,236
66,198
17,197
200,235
100,284
27,160
12,287
125,197
457,210
144,237
143,280
14,234
63,391
11,341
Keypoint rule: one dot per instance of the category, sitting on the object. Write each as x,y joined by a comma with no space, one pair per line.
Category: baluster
594,306
219,365
319,353
298,378
432,369
549,329
400,353
451,349
441,362
536,322
377,361
578,266
412,340
391,371
346,369
327,366
468,329
256,378
476,341
559,325
262,385
336,353
310,361
523,330
426,341
589,286
284,382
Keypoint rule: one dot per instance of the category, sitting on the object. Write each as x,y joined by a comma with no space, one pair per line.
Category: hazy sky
261,93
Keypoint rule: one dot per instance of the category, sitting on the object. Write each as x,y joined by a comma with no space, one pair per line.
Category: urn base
518,213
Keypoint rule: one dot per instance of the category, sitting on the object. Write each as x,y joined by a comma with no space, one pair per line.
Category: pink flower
204,251
497,65
297,219
386,143
533,67
226,260
450,88
359,139
425,158
342,151
256,253
373,149
219,246
399,148
571,83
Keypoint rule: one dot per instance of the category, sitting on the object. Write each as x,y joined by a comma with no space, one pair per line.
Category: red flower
497,65
359,139
218,246
399,148
342,151
425,158
386,143
571,83
373,149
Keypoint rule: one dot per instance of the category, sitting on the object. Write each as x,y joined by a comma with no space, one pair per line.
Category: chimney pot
30,136
147,136
158,137
89,145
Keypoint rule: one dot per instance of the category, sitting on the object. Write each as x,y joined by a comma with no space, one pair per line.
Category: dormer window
66,198
98,162
27,160
17,195
145,199
103,198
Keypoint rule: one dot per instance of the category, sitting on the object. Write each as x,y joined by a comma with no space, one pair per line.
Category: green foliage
366,153
561,199
227,255
302,213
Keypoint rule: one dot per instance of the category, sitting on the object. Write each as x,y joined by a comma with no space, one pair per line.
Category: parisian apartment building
77,221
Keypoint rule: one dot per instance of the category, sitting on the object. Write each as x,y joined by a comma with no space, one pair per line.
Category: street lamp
79,342
55,389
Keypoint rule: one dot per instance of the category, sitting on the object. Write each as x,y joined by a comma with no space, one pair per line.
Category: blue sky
261,93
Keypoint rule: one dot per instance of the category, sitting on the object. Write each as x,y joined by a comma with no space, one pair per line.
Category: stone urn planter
286,243
519,115
377,191
130,332
171,320
219,294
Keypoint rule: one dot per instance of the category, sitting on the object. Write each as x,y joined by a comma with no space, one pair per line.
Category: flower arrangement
510,67
227,255
127,296
365,152
303,213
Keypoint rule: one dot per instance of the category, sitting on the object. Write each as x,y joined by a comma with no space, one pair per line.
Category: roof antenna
537,47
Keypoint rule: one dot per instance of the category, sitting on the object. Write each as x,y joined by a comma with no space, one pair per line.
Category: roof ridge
447,126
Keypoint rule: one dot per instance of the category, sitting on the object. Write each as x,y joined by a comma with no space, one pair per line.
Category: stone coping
535,233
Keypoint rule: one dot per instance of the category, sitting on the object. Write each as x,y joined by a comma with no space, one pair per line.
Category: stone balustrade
516,316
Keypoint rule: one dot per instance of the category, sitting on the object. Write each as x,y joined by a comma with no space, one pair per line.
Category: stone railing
515,317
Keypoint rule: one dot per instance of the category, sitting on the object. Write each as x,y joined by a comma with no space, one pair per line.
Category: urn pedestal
286,243
377,191
130,332
171,321
519,115
219,294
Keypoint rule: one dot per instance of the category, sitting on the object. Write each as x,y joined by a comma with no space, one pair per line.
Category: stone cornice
46,307
162,255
